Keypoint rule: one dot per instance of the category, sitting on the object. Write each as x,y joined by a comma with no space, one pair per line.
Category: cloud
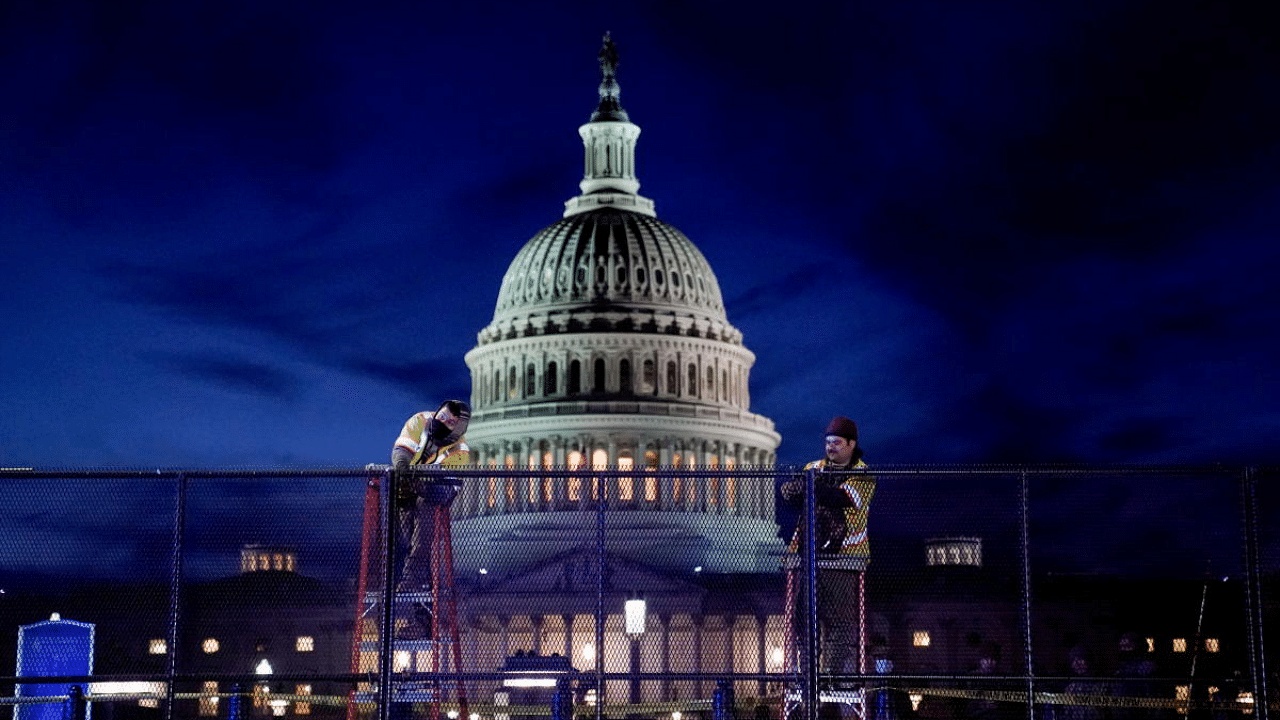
231,372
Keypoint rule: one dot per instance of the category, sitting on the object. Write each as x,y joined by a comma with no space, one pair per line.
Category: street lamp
633,616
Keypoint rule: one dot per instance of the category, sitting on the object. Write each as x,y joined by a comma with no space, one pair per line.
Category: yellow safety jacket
414,439
852,551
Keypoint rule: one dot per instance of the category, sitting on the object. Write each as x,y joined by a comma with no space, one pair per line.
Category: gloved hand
791,489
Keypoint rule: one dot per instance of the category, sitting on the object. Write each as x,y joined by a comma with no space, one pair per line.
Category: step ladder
855,698
441,650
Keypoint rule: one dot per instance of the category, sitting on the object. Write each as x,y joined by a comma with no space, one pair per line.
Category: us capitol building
609,347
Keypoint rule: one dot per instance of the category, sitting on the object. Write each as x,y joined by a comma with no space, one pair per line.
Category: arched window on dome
530,381
597,379
574,383
711,383
672,381
549,380
513,389
624,376
649,377
693,380
496,389
724,385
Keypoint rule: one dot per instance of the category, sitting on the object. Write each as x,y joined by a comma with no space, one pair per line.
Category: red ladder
443,651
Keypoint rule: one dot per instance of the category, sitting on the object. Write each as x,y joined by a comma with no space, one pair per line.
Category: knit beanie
842,426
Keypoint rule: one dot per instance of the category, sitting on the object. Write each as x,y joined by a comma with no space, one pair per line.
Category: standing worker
428,438
841,499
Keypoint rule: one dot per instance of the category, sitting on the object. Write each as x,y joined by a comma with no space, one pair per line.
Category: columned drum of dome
610,346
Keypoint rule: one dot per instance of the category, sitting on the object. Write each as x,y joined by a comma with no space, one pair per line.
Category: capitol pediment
579,572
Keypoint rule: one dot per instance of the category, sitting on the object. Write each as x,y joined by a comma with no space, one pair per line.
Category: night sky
265,233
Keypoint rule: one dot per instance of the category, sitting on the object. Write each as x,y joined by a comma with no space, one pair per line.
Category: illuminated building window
1211,644
954,551
305,643
1151,644
157,646
209,699
210,646
400,660
1179,645
302,707
920,638
626,490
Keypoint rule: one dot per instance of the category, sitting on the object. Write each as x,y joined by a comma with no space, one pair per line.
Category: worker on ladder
841,499
428,438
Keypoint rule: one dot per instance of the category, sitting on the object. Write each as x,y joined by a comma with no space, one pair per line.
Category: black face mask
437,430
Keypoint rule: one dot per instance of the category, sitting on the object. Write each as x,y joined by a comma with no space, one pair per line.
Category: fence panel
1135,592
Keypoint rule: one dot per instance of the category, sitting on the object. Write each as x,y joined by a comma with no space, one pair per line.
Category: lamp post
633,616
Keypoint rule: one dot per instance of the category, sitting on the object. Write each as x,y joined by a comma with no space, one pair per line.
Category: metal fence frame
808,680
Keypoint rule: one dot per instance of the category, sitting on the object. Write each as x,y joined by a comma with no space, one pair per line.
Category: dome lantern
609,149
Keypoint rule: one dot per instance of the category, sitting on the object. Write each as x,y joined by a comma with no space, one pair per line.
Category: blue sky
1033,232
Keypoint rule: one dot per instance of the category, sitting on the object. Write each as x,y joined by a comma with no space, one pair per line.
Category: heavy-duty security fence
665,593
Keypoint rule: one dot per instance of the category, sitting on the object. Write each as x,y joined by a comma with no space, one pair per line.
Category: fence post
722,700
73,708
562,701
233,702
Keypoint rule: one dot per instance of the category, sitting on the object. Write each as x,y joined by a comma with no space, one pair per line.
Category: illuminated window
305,643
210,646
626,490
302,707
401,660
157,646
920,638
1179,645
209,699
1151,644
1211,644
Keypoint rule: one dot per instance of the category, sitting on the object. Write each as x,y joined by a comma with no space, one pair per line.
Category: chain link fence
980,592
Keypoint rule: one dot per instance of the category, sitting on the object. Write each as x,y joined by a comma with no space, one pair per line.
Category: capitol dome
610,269
610,347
